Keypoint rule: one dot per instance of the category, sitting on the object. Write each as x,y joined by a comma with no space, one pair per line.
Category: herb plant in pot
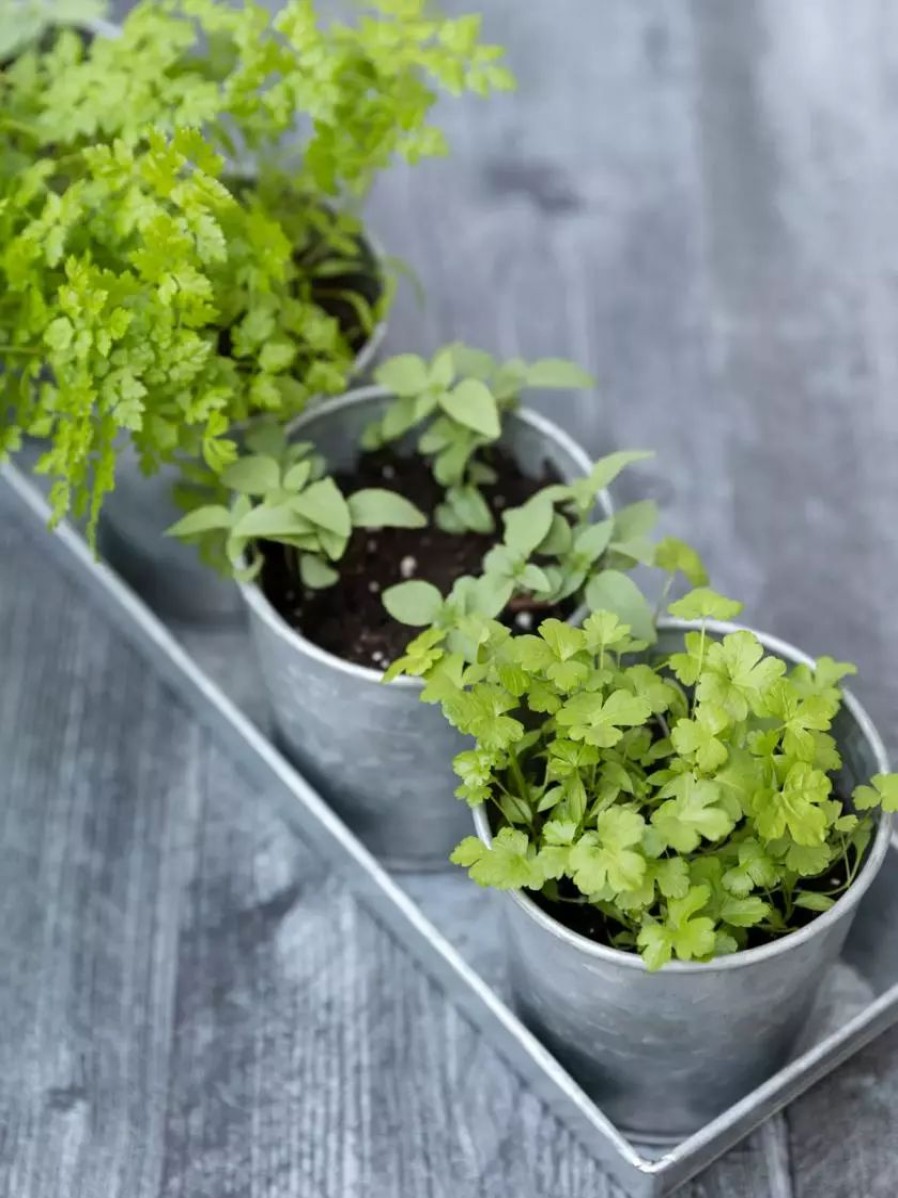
685,830
251,237
464,457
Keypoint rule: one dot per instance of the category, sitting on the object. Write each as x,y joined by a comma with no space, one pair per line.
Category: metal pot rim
257,601
751,956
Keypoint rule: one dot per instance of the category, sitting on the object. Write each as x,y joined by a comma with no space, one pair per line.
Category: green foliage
282,494
455,405
364,90
26,23
689,798
147,291
552,552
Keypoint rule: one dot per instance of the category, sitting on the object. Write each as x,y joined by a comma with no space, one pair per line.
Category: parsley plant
688,799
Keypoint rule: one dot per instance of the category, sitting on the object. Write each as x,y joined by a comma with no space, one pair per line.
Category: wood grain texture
696,200
191,1005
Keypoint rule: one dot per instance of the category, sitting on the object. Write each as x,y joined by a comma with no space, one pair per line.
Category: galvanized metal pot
664,1053
166,572
381,757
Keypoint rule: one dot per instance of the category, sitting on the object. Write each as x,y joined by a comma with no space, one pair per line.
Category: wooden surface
697,200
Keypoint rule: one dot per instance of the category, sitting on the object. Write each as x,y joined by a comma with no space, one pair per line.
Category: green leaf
614,592
693,813
271,521
474,362
737,676
684,933
472,404
606,470
415,602
812,901
797,807
608,857
599,721
591,542
705,604
315,573
470,509
322,503
562,638
510,864
676,556
277,356
697,739
378,508
203,519
883,789
558,373
527,526
404,375
744,912
253,474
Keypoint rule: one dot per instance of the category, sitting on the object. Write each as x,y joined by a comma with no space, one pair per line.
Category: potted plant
685,829
450,436
166,286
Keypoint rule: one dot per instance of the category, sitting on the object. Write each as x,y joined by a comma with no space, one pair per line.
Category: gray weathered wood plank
697,200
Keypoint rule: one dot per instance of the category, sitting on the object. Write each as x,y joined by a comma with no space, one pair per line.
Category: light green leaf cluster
455,405
147,298
553,552
690,798
152,291
364,90
25,23
282,494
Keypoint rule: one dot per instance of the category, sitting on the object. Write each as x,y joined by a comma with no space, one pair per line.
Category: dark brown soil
349,619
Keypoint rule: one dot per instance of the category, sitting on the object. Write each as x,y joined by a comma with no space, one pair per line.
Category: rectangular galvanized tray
464,956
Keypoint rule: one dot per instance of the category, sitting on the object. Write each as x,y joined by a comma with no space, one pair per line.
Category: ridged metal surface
665,1053
380,756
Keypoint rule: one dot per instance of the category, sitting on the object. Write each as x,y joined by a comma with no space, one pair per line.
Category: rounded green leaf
472,404
414,602
375,507
558,373
279,520
615,592
204,519
254,474
405,375
470,508
323,504
316,573
528,526
592,542
705,604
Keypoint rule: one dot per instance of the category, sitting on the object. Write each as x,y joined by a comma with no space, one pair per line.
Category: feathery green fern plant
148,290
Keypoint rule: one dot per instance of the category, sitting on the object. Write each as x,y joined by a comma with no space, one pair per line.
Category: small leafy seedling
689,800
553,553
283,495
456,404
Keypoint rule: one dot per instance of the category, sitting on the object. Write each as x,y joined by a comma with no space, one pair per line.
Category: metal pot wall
664,1053
381,757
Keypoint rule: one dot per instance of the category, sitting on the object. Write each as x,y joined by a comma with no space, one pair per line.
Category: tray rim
303,808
